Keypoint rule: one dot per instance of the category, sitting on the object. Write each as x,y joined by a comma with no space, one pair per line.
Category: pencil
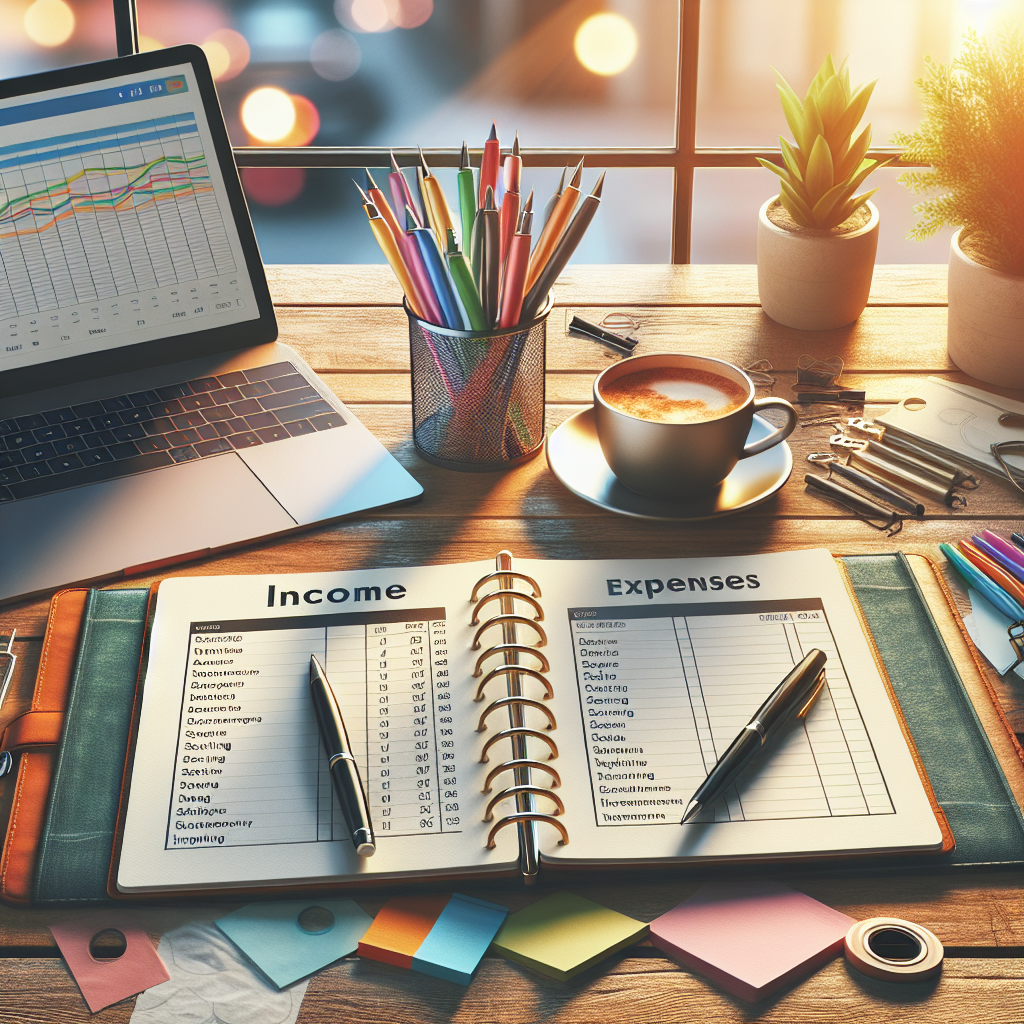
424,239
467,199
511,200
489,165
490,259
513,281
440,215
556,224
563,251
386,240
401,193
421,301
462,276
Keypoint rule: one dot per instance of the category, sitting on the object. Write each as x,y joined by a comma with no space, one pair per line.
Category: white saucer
575,457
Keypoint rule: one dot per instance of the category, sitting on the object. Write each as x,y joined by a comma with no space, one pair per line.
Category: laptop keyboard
197,419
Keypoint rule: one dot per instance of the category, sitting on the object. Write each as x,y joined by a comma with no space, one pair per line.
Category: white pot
812,280
985,336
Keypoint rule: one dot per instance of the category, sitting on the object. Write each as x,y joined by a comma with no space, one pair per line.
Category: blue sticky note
288,941
459,939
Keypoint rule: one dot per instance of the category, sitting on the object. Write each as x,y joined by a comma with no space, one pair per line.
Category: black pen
796,693
344,770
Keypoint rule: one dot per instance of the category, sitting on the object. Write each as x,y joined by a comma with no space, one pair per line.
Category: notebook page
230,783
659,681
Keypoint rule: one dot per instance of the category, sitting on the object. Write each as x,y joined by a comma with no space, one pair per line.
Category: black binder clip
1016,634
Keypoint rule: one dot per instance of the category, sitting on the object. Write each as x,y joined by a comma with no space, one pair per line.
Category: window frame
681,158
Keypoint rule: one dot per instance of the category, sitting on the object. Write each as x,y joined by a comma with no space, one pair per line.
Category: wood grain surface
348,324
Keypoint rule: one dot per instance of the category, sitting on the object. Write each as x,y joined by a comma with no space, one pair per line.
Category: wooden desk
347,322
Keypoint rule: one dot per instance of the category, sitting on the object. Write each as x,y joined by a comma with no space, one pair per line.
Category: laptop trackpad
95,531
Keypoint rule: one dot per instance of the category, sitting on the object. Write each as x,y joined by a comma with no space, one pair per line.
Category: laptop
147,412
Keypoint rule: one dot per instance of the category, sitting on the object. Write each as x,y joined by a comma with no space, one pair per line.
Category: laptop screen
115,222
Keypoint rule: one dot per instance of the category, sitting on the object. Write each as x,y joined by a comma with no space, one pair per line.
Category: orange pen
556,225
992,569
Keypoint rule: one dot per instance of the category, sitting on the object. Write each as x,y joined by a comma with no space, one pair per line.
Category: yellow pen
437,206
389,247
556,225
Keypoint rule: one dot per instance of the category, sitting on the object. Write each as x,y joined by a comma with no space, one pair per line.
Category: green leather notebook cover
81,817
968,782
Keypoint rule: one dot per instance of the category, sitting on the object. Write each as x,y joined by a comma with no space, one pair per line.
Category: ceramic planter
813,280
985,336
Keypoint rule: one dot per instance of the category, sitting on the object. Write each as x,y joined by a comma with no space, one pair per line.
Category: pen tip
529,203
577,175
489,199
493,137
423,163
561,183
394,163
693,808
369,178
515,145
366,198
596,193
464,160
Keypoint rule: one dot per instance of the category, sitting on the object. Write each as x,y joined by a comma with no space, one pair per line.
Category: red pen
490,165
513,282
513,173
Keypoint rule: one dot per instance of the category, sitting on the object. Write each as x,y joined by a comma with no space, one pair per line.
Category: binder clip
1016,635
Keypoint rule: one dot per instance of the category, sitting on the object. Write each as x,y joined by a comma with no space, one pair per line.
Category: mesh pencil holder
478,396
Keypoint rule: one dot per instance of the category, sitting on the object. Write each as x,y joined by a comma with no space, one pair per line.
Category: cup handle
779,433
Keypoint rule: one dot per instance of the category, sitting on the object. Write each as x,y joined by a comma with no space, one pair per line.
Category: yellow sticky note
564,934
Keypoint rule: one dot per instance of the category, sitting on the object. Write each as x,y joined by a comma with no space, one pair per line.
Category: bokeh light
268,114
335,55
409,13
307,123
49,22
273,186
370,15
606,44
228,53
149,43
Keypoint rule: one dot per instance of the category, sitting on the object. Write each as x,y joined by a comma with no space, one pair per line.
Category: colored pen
467,199
490,258
792,697
437,205
563,251
424,239
1002,551
992,569
462,276
510,201
388,245
348,786
401,193
489,165
513,281
973,577
549,206
554,228
417,287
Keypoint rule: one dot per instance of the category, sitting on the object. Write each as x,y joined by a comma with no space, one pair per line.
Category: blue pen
423,239
1002,551
973,577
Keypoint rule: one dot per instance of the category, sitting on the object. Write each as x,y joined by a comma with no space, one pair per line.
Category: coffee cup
671,426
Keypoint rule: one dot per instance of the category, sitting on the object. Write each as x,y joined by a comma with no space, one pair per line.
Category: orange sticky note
400,928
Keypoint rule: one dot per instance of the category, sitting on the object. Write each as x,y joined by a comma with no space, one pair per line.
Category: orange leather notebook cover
34,736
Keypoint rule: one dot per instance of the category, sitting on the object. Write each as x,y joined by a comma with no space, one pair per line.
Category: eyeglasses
1000,450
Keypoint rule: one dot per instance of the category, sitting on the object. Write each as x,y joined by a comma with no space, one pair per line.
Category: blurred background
564,73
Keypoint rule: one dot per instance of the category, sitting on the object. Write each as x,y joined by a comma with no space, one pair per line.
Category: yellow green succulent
825,165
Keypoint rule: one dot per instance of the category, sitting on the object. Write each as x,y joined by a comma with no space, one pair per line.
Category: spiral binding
526,816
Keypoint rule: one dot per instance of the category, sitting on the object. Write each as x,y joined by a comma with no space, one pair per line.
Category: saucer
575,457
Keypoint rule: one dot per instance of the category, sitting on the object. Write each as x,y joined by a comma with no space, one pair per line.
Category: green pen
464,284
467,197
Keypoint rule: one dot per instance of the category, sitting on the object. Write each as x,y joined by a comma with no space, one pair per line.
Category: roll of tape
894,950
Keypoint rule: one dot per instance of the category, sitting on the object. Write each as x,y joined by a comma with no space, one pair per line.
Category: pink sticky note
751,938
103,982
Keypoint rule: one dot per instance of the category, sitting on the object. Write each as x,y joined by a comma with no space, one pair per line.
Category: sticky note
752,938
564,934
445,936
288,941
103,982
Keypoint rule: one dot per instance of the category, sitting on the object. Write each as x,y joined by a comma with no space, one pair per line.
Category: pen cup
478,396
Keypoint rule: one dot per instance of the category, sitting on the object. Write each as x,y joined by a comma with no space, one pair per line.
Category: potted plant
816,240
972,139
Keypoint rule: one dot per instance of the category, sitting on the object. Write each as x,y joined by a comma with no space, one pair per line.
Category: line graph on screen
106,213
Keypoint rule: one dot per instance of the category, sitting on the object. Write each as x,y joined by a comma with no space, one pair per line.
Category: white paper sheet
988,631
212,984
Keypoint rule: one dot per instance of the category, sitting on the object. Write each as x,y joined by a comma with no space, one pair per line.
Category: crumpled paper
211,983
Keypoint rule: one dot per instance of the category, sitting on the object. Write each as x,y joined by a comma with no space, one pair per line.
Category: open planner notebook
607,690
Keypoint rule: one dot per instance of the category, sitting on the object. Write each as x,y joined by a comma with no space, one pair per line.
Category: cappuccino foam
674,394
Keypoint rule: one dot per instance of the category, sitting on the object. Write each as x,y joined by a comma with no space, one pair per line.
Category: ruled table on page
250,768
665,690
